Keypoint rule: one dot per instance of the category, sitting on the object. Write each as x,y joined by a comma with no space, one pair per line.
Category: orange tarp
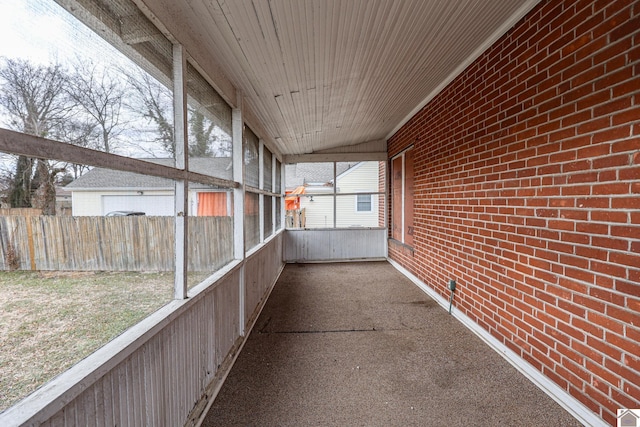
292,199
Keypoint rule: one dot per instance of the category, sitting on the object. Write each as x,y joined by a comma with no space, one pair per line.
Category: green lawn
51,320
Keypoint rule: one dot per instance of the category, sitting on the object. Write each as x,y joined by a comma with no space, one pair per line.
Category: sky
43,32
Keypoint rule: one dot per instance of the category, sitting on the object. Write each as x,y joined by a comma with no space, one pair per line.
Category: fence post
32,250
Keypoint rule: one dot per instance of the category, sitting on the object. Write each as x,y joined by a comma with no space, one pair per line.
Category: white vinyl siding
361,178
151,205
318,209
97,203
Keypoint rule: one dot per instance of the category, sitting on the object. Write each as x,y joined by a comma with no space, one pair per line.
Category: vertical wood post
181,158
237,126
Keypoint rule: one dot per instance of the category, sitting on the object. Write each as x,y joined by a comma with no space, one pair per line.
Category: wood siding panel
334,245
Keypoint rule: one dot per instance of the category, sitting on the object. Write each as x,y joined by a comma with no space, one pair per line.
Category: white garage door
150,205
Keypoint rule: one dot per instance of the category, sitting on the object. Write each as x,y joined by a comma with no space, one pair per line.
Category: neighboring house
63,201
314,184
101,191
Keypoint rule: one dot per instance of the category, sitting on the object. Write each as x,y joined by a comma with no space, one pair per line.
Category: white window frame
370,210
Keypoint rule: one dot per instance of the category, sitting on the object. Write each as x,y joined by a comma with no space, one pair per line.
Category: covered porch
504,140
345,344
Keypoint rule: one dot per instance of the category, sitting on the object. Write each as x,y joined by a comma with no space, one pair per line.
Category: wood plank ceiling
322,74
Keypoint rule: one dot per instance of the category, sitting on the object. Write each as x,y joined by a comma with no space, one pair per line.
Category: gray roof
101,178
317,173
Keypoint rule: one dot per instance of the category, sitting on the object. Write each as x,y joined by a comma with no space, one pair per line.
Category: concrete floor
358,344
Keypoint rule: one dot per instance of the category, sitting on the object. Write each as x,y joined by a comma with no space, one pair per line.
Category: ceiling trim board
335,157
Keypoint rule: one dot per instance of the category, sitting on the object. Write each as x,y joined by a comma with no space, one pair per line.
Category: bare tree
33,96
200,129
34,99
99,93
154,102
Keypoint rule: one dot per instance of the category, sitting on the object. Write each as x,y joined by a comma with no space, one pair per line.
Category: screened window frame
275,197
382,197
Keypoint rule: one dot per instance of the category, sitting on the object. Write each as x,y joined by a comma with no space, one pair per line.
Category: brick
611,189
624,258
593,202
594,125
627,346
587,351
610,243
616,105
624,88
623,231
626,145
618,368
629,174
612,134
626,203
600,345
626,117
609,216
608,269
632,318
616,160
590,252
603,374
594,99
594,150
630,288
528,187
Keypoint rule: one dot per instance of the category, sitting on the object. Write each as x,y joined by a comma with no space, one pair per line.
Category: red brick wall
527,191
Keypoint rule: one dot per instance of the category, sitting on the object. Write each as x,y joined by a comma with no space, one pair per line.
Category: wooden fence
135,243
20,211
296,218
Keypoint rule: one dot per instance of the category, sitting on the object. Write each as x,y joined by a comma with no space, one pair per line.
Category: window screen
268,169
251,158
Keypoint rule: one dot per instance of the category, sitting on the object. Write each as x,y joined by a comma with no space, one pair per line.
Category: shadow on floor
358,344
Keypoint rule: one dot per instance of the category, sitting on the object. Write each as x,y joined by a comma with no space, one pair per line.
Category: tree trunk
44,196
20,190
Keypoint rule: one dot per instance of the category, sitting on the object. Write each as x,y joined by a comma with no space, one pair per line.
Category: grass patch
49,321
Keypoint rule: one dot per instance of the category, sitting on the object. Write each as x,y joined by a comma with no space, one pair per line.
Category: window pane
359,177
103,261
278,201
397,193
408,198
251,158
402,196
268,216
209,128
251,220
315,178
277,188
268,170
317,210
210,230
357,210
110,96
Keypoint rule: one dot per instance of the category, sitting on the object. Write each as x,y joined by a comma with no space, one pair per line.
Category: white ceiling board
320,74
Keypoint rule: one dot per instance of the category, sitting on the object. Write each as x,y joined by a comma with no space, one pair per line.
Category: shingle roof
101,178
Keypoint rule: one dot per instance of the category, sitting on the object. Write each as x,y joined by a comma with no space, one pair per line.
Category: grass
51,320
